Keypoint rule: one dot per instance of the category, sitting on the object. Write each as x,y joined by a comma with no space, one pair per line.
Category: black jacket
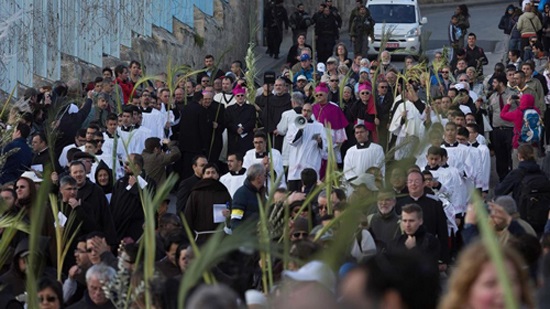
512,181
435,220
426,244
86,303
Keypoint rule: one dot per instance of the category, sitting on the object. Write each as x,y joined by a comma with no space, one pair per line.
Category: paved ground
485,15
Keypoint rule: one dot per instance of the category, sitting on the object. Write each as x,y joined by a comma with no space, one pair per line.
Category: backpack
534,200
532,127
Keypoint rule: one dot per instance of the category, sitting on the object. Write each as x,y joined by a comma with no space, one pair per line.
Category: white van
401,18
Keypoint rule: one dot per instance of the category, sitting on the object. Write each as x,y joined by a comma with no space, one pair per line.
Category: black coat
86,303
43,158
383,110
213,143
435,220
127,208
184,190
95,212
193,131
69,124
245,116
272,107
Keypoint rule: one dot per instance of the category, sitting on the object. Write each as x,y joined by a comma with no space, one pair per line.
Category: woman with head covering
104,179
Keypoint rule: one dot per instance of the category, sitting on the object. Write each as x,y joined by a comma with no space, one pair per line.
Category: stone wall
226,32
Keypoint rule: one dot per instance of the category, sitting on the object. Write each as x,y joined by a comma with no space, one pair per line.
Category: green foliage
489,239
199,40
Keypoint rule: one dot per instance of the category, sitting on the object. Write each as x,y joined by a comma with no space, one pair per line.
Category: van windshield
393,13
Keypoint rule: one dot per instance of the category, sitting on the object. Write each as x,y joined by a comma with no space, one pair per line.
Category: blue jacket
17,162
245,204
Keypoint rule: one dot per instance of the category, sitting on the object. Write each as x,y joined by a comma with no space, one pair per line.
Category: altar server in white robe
308,144
132,139
234,179
152,118
458,154
364,155
259,152
447,180
484,158
288,117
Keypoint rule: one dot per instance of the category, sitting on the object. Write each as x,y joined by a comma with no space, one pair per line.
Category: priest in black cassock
241,120
126,204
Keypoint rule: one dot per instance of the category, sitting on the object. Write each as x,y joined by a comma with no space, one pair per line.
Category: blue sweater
17,162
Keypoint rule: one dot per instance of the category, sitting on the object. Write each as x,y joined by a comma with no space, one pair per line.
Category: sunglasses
334,80
49,299
444,72
89,250
239,95
383,87
300,235
364,93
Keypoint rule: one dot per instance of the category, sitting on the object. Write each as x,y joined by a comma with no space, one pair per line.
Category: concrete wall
223,33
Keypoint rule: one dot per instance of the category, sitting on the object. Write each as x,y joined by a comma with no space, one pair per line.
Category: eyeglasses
300,235
239,95
319,95
334,80
444,72
364,93
463,80
382,87
49,299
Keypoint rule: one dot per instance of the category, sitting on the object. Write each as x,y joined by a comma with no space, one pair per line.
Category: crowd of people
337,151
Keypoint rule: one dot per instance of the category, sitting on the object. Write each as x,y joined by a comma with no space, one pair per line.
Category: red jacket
127,88
527,101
